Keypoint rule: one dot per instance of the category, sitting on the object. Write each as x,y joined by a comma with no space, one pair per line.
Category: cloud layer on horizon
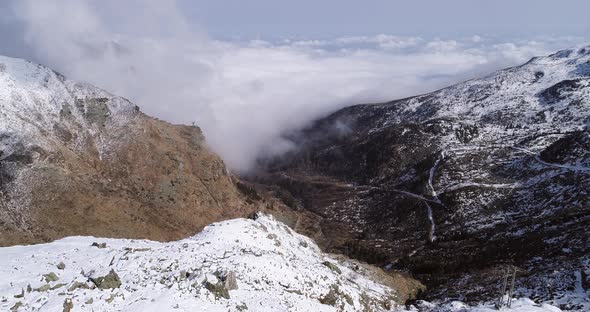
245,95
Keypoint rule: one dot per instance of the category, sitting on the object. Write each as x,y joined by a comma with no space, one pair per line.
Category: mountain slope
235,265
76,160
451,185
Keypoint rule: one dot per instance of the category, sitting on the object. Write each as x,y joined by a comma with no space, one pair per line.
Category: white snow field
275,269
235,265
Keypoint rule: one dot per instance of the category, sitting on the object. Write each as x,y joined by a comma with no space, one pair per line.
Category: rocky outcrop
109,281
76,160
455,184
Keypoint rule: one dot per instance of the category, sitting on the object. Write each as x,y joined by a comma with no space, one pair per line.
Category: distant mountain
456,184
76,160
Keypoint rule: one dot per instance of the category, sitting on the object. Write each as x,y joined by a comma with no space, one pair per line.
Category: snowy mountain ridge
33,98
77,160
527,96
234,265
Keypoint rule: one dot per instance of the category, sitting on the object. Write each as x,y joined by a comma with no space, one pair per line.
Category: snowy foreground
236,265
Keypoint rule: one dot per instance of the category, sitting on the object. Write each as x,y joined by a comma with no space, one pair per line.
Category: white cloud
245,95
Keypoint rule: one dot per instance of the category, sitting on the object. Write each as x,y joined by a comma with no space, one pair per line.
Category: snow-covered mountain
450,187
76,160
235,265
456,184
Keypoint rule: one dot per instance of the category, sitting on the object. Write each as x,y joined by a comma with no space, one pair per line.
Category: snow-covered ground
235,265
275,269
518,305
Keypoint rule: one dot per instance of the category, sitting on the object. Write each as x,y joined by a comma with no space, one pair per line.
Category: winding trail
431,177
561,166
415,196
434,194
431,236
410,194
484,185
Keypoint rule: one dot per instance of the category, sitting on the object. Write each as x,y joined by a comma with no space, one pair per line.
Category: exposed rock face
454,184
76,160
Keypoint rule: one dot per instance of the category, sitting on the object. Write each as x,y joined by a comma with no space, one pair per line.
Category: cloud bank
244,95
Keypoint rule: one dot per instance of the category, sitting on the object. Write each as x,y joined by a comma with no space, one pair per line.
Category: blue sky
334,18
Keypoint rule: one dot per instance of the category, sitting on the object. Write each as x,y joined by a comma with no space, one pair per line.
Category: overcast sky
246,71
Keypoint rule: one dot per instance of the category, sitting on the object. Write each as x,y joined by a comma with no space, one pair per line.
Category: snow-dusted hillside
77,160
33,98
449,185
235,265
462,181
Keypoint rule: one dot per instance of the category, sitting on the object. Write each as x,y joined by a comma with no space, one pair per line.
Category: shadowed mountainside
456,184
